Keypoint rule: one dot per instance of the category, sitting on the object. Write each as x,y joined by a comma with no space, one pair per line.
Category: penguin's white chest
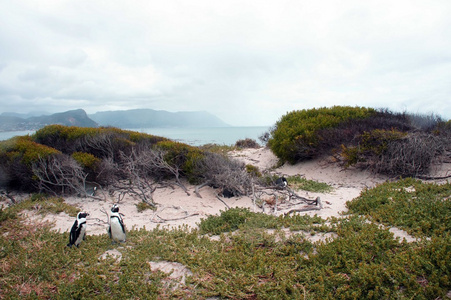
117,233
81,235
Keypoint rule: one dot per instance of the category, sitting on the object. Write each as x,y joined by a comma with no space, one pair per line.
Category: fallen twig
228,207
198,187
176,219
318,206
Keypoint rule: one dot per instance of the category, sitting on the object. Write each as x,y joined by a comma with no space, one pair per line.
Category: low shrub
253,171
421,209
301,183
221,172
227,221
17,156
247,143
215,148
296,182
394,153
86,160
295,136
24,149
398,144
182,156
102,142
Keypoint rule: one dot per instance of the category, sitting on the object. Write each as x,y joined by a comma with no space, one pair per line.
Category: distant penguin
116,230
78,231
281,182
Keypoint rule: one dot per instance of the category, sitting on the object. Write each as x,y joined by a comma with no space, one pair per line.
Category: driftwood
318,206
277,192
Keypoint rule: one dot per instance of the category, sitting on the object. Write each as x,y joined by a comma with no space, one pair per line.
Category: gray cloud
248,62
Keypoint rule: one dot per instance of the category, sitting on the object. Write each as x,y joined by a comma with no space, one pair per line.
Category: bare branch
176,219
60,172
228,207
196,191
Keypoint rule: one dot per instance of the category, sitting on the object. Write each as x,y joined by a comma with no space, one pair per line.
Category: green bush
371,143
17,156
102,142
394,153
300,183
295,136
421,209
253,171
227,221
25,150
86,160
182,156
247,143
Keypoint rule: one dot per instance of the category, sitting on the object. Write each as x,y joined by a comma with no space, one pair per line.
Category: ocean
191,136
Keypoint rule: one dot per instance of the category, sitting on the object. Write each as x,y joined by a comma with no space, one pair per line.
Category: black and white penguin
116,230
78,231
281,182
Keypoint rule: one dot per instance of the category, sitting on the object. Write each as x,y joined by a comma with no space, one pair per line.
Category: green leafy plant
253,170
361,260
301,183
247,143
86,160
295,136
142,206
422,209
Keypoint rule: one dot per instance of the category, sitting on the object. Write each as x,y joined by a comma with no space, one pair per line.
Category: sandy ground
176,208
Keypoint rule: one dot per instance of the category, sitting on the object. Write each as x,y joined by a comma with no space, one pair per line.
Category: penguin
116,229
281,182
78,231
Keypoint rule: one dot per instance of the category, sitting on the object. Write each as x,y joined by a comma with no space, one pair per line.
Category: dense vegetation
357,258
396,144
67,159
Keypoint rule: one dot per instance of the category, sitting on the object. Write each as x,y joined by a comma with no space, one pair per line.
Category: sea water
191,136
208,135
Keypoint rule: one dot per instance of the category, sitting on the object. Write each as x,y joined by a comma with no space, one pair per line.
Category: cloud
248,62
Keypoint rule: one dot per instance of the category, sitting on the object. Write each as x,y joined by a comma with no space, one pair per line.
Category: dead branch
226,174
156,163
60,171
432,177
198,187
217,196
7,195
176,219
318,206
139,182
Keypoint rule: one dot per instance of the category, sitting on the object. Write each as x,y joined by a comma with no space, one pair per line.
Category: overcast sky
247,62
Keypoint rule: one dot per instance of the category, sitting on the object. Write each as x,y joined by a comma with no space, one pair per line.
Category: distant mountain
78,117
147,118
25,115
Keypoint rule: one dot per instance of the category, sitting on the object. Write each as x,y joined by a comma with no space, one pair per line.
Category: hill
136,118
78,117
146,118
